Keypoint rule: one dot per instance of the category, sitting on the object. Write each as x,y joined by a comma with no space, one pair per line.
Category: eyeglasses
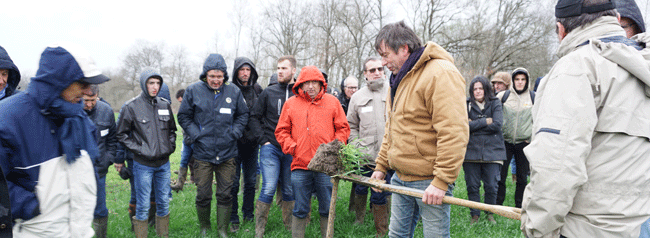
373,70
352,88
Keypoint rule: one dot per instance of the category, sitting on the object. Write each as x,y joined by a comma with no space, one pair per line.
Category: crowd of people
581,137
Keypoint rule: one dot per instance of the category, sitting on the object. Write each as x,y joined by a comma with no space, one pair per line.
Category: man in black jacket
274,165
245,78
102,115
214,116
146,127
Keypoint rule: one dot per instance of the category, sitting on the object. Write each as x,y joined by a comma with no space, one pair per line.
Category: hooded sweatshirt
517,116
14,74
250,92
591,138
146,126
213,119
306,123
47,149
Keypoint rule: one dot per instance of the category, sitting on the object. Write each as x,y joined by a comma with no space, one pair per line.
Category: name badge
366,109
225,111
103,132
163,112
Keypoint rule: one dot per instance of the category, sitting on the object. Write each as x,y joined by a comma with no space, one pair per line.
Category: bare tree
287,28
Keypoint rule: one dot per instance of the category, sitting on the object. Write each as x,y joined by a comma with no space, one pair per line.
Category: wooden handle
332,214
509,212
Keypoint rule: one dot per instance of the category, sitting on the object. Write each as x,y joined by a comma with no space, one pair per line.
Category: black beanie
573,8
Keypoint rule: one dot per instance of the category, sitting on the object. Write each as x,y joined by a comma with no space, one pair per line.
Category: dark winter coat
146,126
266,112
214,119
14,73
485,141
104,118
345,102
250,92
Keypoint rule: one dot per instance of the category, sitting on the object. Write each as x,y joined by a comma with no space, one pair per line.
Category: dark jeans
224,173
246,161
378,198
489,173
522,172
100,209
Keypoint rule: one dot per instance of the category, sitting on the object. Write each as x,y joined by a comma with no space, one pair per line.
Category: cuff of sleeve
439,184
381,168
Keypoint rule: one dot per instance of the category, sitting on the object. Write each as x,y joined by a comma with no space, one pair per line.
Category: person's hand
118,167
433,195
488,120
379,176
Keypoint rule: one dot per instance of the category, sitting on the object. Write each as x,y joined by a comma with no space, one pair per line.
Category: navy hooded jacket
213,119
14,74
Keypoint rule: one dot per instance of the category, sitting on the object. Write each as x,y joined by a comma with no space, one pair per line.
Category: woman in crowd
485,150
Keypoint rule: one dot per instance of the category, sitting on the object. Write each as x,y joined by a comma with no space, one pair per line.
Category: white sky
108,28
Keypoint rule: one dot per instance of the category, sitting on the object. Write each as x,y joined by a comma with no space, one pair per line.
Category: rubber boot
298,226
323,226
203,214
152,214
100,225
360,207
287,210
223,219
181,180
380,215
351,203
131,214
278,196
162,226
261,218
141,228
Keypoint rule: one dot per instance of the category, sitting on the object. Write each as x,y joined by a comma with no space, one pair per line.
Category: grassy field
183,220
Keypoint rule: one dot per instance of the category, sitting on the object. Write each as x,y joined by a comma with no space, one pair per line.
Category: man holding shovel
426,131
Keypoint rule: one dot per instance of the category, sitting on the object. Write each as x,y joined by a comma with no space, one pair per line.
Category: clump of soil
326,160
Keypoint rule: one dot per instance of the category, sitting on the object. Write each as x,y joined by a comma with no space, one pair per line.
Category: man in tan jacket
426,129
590,150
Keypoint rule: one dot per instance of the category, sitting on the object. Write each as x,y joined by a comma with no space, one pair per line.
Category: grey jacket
367,118
589,154
485,141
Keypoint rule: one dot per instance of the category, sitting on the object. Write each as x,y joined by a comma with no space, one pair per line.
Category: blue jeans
406,210
186,154
145,177
304,182
645,229
378,198
129,165
100,208
246,161
489,173
276,168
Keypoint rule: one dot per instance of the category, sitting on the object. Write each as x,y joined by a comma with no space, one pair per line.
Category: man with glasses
366,110
349,86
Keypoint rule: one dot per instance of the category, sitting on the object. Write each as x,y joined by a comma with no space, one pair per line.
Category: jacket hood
525,73
239,62
214,61
273,79
628,57
164,92
432,51
147,74
629,9
59,66
309,73
14,73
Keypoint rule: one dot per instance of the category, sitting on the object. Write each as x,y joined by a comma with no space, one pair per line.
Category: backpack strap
505,96
532,96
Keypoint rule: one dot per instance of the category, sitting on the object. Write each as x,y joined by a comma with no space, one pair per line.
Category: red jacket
305,124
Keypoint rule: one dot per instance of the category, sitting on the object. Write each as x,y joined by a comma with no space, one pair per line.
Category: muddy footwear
491,219
474,219
298,226
203,213
287,210
261,217
141,228
380,215
360,207
100,225
323,226
223,219
181,180
351,203
162,226
131,214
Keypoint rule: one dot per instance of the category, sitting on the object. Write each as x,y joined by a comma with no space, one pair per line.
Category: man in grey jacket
589,151
366,116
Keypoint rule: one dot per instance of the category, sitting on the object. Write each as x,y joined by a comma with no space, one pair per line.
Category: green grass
184,223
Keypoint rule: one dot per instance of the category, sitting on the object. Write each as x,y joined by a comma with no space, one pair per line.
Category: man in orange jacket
309,119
